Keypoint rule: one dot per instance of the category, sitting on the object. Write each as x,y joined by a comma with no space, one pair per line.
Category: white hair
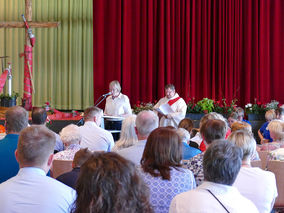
70,135
183,134
275,128
146,122
128,135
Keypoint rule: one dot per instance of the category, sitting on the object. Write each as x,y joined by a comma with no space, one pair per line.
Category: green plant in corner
206,104
6,96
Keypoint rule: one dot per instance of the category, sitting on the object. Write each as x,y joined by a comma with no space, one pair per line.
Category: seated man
210,131
94,137
176,103
31,190
222,162
16,119
146,122
70,178
39,117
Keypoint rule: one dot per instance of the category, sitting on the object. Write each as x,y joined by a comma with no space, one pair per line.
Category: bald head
146,122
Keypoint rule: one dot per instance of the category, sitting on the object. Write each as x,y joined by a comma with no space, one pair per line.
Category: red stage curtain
215,49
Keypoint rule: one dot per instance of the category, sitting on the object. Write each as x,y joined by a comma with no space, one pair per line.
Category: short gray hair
16,118
222,162
245,141
71,134
36,144
146,122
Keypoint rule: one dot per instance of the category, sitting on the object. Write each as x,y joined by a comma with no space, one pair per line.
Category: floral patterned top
163,191
195,166
67,154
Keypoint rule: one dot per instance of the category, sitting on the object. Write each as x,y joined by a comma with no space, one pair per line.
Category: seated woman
187,151
276,129
117,104
161,168
257,185
128,135
263,132
233,117
241,125
186,123
111,184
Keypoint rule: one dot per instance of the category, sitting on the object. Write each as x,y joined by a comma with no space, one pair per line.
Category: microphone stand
97,103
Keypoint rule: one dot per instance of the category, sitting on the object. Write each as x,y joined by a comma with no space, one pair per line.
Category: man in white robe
176,103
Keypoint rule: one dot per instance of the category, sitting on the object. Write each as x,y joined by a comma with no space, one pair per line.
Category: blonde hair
245,141
128,135
115,84
241,125
212,116
276,128
183,134
270,115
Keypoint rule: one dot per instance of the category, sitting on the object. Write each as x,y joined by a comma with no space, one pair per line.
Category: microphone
109,93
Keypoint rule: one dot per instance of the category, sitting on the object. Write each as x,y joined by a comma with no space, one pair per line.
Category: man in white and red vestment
177,104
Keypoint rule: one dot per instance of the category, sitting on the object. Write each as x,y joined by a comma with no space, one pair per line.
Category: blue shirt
163,191
188,151
32,191
9,167
265,132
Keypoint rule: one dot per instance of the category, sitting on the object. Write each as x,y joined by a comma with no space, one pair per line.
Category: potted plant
9,101
194,111
255,111
206,104
142,106
224,107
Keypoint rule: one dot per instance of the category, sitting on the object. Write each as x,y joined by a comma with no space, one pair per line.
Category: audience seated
39,117
233,117
276,130
241,114
161,168
71,137
94,137
263,132
257,185
70,178
210,131
128,135
146,122
31,190
210,116
16,119
222,161
109,183
241,125
187,151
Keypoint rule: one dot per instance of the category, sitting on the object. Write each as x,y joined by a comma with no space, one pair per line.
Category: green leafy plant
7,96
206,104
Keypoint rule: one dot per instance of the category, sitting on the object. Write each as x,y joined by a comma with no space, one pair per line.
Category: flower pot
256,117
8,102
194,116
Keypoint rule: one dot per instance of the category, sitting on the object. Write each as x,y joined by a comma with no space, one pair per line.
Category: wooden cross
27,100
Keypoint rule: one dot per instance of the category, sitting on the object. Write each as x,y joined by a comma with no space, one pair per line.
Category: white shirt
133,153
118,106
179,108
200,200
32,191
95,138
257,185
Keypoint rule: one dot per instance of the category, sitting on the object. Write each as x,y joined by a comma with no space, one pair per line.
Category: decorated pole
28,57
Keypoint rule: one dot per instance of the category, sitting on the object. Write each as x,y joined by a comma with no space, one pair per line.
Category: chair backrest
277,167
60,167
256,163
263,155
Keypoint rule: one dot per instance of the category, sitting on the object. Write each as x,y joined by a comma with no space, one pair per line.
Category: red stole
171,102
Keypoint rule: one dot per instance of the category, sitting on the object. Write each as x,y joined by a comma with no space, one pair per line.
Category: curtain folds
215,49
63,56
